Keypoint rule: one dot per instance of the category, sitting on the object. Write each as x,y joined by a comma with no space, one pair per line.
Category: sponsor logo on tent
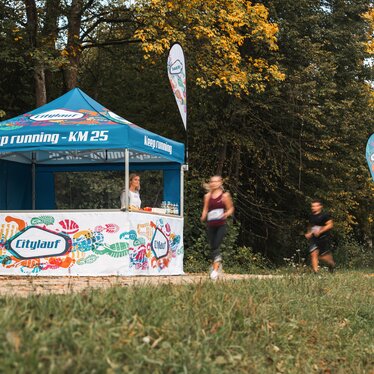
35,242
57,114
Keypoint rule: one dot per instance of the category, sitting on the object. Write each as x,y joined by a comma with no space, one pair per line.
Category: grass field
295,324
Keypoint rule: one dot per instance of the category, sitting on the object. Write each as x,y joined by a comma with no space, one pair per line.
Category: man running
320,225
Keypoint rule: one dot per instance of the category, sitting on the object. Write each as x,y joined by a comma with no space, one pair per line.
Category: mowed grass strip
295,324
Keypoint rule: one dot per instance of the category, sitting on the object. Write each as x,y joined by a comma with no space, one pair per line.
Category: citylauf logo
53,115
176,67
35,242
159,244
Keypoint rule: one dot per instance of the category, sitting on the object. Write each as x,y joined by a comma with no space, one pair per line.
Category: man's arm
329,225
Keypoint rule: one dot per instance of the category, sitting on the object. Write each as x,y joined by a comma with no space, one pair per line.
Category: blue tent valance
76,129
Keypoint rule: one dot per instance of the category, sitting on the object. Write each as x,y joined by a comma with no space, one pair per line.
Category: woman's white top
134,199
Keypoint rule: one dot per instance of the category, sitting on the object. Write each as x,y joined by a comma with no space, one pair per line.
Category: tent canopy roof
74,128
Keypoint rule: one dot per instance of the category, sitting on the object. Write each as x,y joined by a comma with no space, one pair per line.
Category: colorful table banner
90,244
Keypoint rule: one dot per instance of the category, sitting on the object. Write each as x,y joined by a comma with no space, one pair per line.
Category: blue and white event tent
76,133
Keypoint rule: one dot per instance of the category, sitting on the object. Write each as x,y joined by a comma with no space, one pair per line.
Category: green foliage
292,324
350,254
244,260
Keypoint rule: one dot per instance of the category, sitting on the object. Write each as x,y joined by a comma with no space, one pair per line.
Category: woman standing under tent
134,196
217,207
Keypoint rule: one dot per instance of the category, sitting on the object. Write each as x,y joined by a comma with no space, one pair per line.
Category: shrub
351,254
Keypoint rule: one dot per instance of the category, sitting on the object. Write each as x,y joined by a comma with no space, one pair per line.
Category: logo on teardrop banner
36,242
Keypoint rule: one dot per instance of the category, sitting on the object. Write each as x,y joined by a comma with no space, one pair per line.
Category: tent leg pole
127,178
33,181
181,205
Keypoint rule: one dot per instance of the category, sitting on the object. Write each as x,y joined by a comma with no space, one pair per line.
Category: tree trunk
49,35
222,158
40,86
39,76
70,72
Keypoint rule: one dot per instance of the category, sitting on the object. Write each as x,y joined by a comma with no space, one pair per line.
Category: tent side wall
15,186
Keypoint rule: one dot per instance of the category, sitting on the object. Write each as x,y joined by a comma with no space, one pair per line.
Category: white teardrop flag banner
177,77
370,154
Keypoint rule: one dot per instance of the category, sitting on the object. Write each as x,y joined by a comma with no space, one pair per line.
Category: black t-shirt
319,220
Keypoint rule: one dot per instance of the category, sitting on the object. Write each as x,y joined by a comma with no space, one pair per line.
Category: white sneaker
214,275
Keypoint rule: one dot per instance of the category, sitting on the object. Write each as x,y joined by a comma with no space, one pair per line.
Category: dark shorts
322,244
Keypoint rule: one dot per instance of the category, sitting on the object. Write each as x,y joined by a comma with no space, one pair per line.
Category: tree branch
109,42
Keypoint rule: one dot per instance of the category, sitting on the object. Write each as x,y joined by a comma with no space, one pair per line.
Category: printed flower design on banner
69,226
27,266
139,257
7,230
129,235
114,250
87,260
110,228
5,260
174,241
43,220
31,270
139,241
59,262
145,229
160,264
159,223
19,222
87,240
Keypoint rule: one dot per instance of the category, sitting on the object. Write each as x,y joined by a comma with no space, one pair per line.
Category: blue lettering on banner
27,245
36,244
159,245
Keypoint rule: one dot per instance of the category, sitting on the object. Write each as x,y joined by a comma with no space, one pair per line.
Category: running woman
218,206
320,225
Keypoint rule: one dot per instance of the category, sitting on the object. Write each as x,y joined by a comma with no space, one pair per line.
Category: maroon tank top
216,208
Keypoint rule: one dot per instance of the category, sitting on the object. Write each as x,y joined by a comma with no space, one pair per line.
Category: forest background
280,102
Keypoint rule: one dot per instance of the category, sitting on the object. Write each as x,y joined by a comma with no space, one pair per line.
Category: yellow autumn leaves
228,43
369,17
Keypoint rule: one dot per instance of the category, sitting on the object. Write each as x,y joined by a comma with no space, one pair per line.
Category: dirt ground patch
26,285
